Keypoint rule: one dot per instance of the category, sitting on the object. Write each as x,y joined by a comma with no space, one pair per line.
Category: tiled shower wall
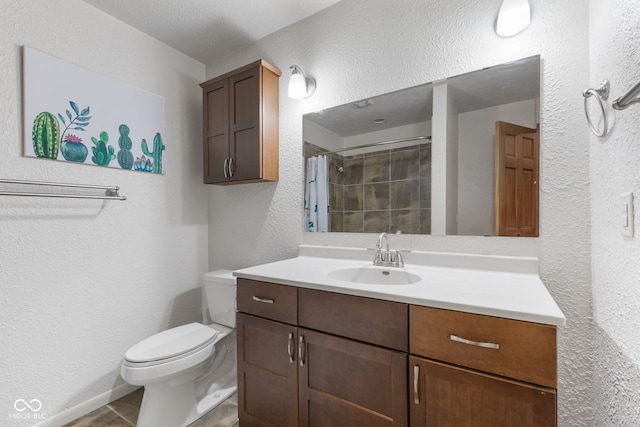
381,191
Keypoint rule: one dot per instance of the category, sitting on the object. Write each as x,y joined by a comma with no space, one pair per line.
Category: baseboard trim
84,408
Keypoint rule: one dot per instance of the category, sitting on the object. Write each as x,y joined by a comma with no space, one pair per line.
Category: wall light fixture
514,16
300,86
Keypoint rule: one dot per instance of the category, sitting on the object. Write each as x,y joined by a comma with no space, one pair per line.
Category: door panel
267,378
348,383
448,396
216,148
246,142
516,180
247,163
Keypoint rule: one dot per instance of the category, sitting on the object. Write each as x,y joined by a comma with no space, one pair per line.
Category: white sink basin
374,275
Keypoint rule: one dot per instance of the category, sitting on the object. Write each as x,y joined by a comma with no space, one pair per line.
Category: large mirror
458,157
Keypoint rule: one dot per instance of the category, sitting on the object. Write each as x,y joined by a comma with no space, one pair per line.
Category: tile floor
124,413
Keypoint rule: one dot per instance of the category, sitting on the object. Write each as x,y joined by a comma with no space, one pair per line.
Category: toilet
188,370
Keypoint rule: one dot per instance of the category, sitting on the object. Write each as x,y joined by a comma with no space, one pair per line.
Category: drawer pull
291,348
301,350
264,300
416,378
477,344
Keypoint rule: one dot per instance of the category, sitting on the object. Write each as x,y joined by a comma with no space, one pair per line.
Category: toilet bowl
188,370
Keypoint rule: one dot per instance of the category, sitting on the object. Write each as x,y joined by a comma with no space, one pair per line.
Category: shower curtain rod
375,144
631,97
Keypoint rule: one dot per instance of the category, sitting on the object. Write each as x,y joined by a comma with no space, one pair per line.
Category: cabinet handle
416,378
290,348
224,168
264,300
231,167
477,344
301,350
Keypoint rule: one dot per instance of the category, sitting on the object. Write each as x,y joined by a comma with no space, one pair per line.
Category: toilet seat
170,345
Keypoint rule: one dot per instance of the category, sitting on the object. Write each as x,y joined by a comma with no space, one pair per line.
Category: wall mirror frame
458,157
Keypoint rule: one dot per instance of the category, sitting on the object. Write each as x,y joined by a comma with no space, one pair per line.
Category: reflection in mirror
458,156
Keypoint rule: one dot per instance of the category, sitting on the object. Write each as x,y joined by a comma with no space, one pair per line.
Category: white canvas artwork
75,115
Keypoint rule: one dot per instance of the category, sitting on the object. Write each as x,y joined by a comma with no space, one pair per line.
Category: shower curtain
316,195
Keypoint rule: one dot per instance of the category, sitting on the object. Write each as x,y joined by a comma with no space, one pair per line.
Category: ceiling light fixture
300,86
514,16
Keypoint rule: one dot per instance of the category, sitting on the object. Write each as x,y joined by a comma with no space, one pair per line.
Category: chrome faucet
387,258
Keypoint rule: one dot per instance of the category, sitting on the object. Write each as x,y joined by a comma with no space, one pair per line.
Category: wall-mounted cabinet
241,125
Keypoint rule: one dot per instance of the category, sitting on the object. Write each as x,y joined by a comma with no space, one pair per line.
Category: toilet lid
171,343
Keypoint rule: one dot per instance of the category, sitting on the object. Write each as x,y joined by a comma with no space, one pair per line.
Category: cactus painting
125,156
73,150
158,148
77,116
102,154
78,122
143,164
45,135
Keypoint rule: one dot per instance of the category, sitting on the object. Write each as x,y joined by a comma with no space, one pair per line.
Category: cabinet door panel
216,122
245,99
267,378
448,396
247,161
246,141
216,155
347,383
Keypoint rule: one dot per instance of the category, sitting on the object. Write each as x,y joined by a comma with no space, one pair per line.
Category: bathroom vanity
327,339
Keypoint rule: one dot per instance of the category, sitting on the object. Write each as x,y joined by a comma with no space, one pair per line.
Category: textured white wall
81,281
361,48
615,169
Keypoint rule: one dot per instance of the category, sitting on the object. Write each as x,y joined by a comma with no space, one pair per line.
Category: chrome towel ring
601,94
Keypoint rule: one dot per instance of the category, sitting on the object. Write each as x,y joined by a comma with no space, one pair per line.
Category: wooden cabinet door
267,373
216,130
442,395
350,384
244,125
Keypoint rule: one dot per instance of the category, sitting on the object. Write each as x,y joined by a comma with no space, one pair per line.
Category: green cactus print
102,154
46,135
125,156
156,154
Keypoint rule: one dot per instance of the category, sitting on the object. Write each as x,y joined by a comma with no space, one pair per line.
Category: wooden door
350,384
216,129
267,373
448,396
244,125
516,182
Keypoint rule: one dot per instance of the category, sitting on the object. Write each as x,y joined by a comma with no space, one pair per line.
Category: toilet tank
220,295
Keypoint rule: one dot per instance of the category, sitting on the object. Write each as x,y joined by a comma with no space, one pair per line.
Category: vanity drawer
383,323
511,348
268,300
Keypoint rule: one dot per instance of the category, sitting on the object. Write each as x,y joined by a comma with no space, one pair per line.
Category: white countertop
508,287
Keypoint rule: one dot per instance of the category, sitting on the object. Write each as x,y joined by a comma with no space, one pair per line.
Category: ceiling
498,85
208,29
